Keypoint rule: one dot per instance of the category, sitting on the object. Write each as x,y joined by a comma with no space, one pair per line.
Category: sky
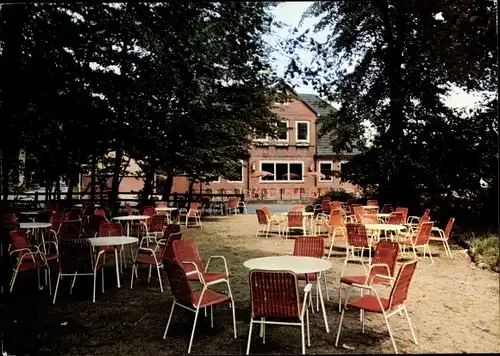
290,12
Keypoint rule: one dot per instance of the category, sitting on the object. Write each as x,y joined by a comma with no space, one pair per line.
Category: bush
484,251
335,194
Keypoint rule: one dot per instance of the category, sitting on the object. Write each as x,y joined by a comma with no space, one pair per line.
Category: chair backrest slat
261,216
386,252
168,250
396,218
75,255
110,229
186,251
274,294
386,209
179,284
399,292
295,219
356,235
309,246
19,239
336,219
372,202
369,219
404,211
156,223
423,233
70,229
449,226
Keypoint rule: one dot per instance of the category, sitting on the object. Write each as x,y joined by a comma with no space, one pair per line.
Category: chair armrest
379,265
223,259
49,242
99,254
217,281
307,290
196,270
146,238
383,276
413,219
22,249
363,286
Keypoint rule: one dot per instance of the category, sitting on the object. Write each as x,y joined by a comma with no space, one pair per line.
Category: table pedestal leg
322,303
117,268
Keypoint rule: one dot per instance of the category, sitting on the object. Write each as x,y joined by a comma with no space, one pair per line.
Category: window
302,131
284,136
283,171
326,167
340,165
260,137
238,176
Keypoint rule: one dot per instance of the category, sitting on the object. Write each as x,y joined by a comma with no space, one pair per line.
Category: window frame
308,123
287,140
282,181
331,168
242,174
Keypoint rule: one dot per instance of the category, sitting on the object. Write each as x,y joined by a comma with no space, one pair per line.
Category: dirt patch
453,305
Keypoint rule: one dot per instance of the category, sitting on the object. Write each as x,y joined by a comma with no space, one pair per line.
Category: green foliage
335,194
390,65
190,87
484,251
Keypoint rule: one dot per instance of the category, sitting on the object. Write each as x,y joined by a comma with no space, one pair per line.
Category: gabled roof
321,108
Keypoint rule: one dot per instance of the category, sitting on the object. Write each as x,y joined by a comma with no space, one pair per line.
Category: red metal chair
396,218
169,229
444,236
265,223
186,298
155,227
275,295
100,212
295,221
420,239
70,229
149,210
414,220
92,225
357,240
386,209
372,203
385,306
107,229
325,205
9,218
28,257
193,213
404,211
358,212
383,263
76,259
186,252
56,219
311,246
168,245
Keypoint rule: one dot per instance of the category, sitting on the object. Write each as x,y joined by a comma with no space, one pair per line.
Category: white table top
132,217
303,213
81,205
165,208
383,215
30,212
34,225
384,227
370,207
296,264
112,240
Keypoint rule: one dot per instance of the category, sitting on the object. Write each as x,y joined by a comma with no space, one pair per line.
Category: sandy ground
453,306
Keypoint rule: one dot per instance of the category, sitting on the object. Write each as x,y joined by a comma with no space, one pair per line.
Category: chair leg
449,250
411,327
249,336
57,287
93,292
211,316
429,250
169,319
390,334
340,328
102,279
303,337
194,328
159,278
326,286
307,326
132,278
50,284
149,273
72,284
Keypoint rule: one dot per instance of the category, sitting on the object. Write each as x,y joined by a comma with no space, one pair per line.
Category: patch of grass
484,250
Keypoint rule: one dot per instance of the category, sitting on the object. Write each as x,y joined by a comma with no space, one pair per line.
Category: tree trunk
57,192
6,167
190,192
115,185
167,187
148,184
71,185
93,177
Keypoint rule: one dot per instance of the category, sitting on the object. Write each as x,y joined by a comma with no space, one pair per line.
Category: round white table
114,241
296,264
36,226
385,227
165,208
30,212
129,218
81,205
